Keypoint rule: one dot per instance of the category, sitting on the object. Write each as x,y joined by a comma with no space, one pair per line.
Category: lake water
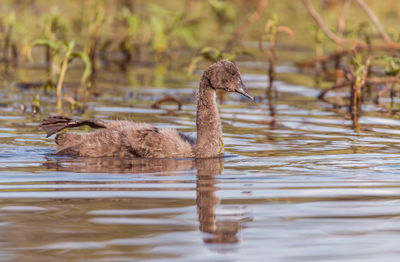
297,183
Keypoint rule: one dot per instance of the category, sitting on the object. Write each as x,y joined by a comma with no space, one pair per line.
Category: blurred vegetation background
140,30
347,37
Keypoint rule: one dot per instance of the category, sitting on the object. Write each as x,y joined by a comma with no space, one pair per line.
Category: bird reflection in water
115,165
217,228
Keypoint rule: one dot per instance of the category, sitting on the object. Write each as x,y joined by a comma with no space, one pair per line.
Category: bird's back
126,139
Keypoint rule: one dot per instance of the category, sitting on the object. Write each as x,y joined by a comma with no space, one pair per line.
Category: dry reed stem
320,22
342,19
376,22
261,6
338,37
168,98
368,81
358,47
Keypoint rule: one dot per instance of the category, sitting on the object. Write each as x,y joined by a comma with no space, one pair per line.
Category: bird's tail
54,124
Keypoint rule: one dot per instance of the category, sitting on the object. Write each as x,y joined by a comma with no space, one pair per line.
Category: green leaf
86,61
160,39
392,64
36,100
231,57
223,9
244,53
133,24
158,10
187,35
210,54
54,45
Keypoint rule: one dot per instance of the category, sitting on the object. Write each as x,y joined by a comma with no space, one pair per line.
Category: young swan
130,139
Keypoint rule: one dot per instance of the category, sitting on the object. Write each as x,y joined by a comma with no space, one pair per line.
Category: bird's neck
209,131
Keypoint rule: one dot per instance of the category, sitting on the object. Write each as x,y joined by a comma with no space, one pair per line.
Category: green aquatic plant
53,27
271,30
223,11
213,55
158,30
63,53
391,64
392,71
36,104
171,28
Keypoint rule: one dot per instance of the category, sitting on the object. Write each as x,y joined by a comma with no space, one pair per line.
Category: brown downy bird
130,139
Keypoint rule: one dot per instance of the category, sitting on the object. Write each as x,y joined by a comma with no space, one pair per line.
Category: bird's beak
242,89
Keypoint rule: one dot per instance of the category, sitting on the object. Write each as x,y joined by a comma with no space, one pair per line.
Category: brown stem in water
368,81
334,87
355,96
272,110
271,73
355,104
357,48
382,80
165,99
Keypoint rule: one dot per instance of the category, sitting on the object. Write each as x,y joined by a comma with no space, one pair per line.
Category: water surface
298,182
